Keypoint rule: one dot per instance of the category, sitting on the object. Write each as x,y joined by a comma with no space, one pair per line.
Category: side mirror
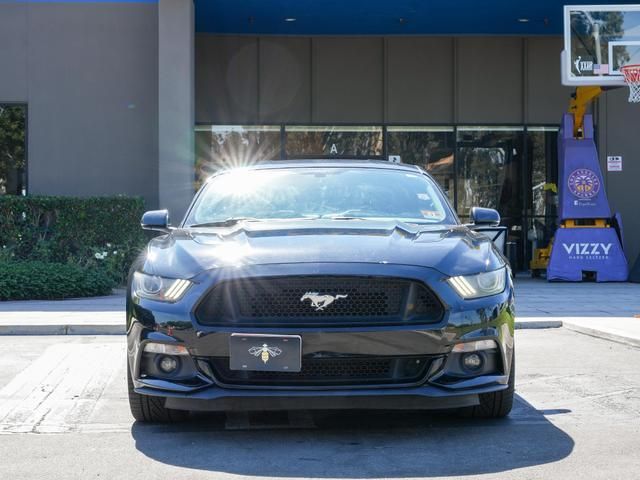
484,216
157,220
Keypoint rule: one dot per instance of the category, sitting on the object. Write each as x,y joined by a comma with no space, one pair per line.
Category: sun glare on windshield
339,193
243,183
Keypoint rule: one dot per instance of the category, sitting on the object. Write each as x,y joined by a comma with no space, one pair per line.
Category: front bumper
486,318
426,397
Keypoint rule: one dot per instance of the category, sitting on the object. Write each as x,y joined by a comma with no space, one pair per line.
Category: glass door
489,174
542,209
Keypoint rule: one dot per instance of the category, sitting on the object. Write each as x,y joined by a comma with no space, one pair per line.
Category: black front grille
282,297
331,371
318,300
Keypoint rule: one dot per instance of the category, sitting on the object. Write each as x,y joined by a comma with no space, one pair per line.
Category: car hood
453,250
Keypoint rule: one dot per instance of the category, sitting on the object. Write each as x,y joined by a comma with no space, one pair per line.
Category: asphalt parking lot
64,414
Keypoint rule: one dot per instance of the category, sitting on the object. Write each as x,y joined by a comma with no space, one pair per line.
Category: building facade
148,98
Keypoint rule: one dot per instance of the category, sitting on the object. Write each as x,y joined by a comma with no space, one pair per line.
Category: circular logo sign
583,183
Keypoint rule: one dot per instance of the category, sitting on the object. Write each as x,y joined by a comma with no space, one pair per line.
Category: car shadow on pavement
358,444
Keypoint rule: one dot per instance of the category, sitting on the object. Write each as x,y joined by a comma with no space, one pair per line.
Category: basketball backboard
598,40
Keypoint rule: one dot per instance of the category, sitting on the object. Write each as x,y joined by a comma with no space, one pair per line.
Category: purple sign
582,193
578,250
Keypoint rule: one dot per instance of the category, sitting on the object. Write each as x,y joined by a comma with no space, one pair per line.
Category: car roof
322,162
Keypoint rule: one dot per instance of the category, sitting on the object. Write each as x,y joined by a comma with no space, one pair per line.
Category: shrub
96,232
35,280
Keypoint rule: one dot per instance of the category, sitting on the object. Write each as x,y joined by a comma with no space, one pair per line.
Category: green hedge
46,281
96,233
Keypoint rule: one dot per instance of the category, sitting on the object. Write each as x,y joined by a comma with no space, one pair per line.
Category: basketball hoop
632,77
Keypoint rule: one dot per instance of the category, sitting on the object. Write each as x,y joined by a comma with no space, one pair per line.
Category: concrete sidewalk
539,298
605,310
84,316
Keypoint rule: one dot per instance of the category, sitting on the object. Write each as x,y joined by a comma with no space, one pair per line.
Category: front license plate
270,353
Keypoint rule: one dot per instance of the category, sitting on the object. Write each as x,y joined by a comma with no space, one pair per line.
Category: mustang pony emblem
319,302
265,351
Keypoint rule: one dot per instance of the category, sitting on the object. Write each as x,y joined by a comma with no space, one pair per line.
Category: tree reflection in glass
224,146
489,163
334,141
13,159
431,148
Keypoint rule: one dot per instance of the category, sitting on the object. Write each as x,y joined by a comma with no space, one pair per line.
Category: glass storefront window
13,160
509,168
432,148
489,169
542,151
542,143
490,175
334,141
220,146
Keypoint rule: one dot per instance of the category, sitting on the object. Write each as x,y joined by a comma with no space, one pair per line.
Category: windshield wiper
227,222
342,217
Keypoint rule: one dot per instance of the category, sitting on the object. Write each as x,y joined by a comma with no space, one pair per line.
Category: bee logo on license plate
265,352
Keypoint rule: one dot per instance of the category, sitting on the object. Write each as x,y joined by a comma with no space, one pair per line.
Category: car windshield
341,193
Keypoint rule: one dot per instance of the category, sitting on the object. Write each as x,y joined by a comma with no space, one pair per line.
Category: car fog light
472,361
168,364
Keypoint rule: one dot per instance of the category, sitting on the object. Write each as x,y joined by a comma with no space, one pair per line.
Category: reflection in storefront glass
475,165
542,150
13,160
334,141
223,146
431,148
489,163
490,175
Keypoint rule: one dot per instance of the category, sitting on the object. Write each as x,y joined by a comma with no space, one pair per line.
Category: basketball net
632,77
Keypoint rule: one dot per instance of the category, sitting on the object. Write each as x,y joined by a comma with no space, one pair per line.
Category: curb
538,324
117,329
612,337
72,329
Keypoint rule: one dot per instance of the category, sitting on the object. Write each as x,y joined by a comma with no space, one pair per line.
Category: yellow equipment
580,100
578,105
540,259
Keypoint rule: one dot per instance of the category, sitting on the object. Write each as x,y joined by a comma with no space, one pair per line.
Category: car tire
494,404
150,409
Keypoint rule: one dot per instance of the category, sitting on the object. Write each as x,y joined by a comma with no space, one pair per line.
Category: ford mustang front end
319,285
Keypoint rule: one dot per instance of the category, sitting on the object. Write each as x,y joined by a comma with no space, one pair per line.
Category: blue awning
383,17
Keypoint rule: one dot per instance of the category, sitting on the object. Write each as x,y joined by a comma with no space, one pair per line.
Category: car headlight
479,285
159,288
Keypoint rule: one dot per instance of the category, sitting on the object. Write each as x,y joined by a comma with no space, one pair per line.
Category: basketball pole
580,101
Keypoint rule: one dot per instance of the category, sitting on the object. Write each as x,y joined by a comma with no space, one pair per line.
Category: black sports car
319,285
